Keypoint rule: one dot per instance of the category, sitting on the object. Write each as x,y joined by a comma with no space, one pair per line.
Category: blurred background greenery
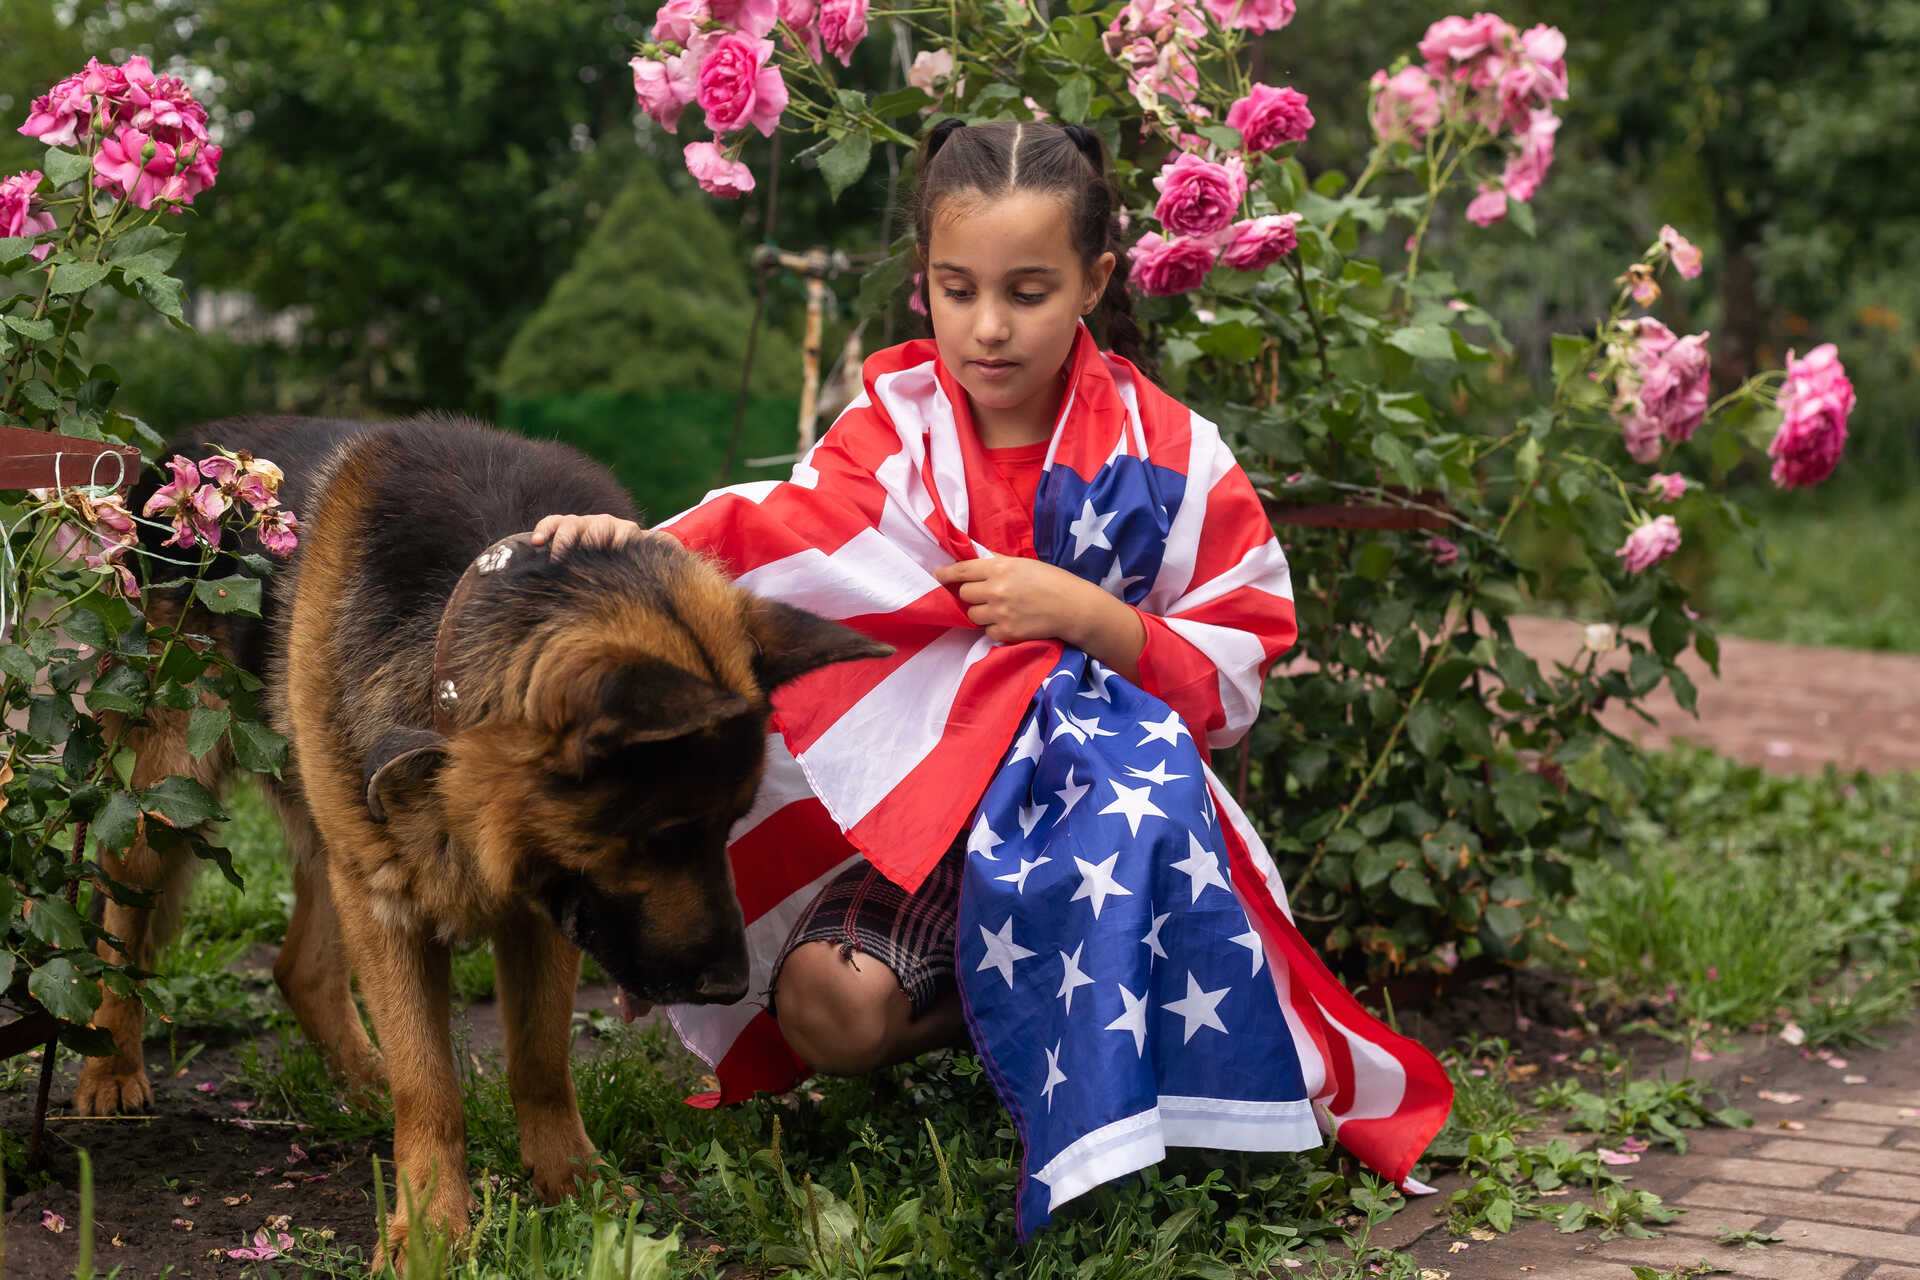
457,207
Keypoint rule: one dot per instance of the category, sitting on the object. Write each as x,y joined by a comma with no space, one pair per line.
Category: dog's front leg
404,980
536,971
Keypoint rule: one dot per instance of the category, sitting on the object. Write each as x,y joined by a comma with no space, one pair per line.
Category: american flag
1121,927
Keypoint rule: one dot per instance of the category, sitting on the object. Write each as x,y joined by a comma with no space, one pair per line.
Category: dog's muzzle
614,931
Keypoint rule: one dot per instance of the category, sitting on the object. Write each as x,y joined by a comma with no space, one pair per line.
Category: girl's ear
1097,282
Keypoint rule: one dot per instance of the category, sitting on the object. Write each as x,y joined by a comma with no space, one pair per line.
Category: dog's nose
724,985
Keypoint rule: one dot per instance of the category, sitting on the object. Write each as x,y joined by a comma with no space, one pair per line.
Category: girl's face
1006,291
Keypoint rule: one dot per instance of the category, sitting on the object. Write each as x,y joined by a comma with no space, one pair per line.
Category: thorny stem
1313,314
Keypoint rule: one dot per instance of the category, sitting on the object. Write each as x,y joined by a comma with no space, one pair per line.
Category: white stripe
913,396
907,712
1237,656
782,782
1138,1140
1264,566
867,574
1379,1081
1205,459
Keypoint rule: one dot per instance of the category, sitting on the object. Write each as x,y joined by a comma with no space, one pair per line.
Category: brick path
1842,1192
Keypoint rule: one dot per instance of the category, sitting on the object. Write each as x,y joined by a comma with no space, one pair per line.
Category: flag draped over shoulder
1132,977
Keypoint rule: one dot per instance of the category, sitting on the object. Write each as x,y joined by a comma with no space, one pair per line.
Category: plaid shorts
910,933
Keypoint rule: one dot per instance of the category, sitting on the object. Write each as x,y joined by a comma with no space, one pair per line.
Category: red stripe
806,708
793,847
1235,524
758,1060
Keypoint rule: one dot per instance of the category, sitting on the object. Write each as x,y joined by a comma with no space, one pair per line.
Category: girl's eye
1029,297
958,294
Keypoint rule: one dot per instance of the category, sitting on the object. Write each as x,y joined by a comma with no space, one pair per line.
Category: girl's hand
1013,599
586,531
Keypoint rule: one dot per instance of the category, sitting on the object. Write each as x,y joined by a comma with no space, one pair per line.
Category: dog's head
613,713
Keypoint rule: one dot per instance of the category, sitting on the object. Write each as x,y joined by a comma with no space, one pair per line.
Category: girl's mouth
995,368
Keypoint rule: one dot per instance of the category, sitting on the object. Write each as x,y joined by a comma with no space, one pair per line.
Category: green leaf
61,990
1427,728
1526,461
76,277
846,162
143,240
258,748
18,663
1670,632
1409,884
119,690
204,729
1373,561
56,923
1504,923
38,330
1571,351
1424,341
1517,796
1232,341
1393,451
1500,1215
900,102
62,167
1644,672
1074,98
119,823
41,396
181,802
1521,215
164,294
1372,866
49,717
236,594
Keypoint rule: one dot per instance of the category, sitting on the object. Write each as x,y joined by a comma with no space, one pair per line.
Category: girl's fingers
960,571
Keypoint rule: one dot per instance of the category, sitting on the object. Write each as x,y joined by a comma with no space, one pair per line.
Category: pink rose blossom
1199,197
663,89
162,106
1814,405
170,174
1443,552
58,116
1527,168
1537,76
679,21
1405,107
1487,208
1686,258
1649,544
843,25
263,1249
194,508
1251,15
279,532
18,197
1673,390
1166,267
932,71
1157,21
717,175
1257,243
802,18
1468,50
754,17
1667,486
1268,117
737,88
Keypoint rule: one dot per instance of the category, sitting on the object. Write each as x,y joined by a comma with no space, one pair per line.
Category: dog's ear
647,701
401,768
792,642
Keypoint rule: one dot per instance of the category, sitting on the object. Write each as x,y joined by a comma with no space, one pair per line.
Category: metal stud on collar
494,559
446,697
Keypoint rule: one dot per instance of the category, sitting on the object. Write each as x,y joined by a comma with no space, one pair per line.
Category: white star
1157,774
1134,803
1198,1009
1202,866
1097,884
1071,793
1206,806
983,841
1167,731
1097,676
1019,878
1054,1074
1070,976
1089,726
1068,725
1028,748
1090,530
1114,583
1002,951
1030,816
1251,941
1152,940
1134,1019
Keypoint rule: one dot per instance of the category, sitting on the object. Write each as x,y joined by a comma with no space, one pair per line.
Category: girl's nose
990,325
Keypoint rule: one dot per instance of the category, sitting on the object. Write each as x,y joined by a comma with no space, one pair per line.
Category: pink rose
1814,405
931,72
1639,433
120,170
663,89
679,21
753,17
1686,258
737,88
1258,243
18,197
1170,73
1537,76
1527,168
717,175
1667,486
1157,20
162,106
1467,49
1487,208
58,116
1649,544
1166,267
279,534
1251,15
1199,197
1673,387
843,25
194,508
1405,107
1268,117
1443,552
801,18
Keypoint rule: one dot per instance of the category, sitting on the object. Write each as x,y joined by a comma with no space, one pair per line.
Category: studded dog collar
446,687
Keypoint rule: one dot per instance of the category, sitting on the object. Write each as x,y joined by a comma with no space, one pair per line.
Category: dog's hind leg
119,1083
313,971
536,971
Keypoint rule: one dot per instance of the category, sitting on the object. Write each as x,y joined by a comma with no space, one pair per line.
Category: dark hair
1018,155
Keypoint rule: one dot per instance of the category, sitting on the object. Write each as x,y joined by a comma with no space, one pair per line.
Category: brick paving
1840,1190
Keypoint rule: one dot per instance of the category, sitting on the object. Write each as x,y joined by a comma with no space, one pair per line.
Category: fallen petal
52,1221
1792,1034
1608,1156
1853,1079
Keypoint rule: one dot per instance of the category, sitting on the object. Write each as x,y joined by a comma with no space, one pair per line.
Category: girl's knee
833,1008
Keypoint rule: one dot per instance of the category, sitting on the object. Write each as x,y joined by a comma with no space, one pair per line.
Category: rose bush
1427,784
82,662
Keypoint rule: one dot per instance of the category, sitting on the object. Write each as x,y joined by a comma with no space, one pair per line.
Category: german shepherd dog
485,743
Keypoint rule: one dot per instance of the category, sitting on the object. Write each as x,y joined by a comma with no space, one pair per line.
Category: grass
1837,571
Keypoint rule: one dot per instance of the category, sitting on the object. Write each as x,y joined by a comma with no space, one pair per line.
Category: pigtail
1118,330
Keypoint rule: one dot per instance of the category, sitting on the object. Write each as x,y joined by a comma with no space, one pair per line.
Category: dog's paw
102,1091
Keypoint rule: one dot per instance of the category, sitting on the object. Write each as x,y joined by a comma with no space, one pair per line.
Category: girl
1068,561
